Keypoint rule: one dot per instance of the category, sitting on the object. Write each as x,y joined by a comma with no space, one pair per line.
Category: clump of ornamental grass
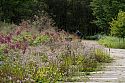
6,27
102,56
112,42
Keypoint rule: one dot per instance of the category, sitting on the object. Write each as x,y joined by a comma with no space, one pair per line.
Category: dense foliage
104,11
70,15
118,25
89,16
17,10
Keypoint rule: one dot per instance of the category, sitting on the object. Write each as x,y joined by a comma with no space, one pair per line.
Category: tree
71,15
16,10
104,11
118,25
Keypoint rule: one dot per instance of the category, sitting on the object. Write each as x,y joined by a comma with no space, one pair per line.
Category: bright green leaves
104,11
118,25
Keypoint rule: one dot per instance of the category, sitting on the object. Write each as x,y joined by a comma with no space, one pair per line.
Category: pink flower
8,39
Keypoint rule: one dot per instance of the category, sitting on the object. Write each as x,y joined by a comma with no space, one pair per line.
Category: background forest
89,16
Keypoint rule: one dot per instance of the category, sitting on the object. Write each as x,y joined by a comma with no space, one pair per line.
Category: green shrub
27,36
40,39
47,75
118,25
12,72
94,37
2,48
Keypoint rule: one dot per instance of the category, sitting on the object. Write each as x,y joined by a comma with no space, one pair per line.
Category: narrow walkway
113,72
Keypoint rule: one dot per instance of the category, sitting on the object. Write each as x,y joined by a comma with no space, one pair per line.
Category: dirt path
113,72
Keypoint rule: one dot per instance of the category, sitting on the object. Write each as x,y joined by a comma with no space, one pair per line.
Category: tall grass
6,27
112,42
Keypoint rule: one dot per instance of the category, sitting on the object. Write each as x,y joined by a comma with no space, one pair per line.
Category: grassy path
112,73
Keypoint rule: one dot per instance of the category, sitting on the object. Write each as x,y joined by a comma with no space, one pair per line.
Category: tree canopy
104,11
88,16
